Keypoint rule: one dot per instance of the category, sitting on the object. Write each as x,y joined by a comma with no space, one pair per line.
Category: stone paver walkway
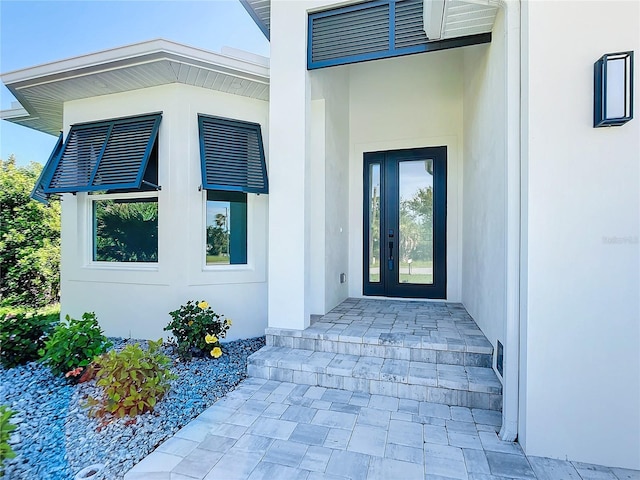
275,430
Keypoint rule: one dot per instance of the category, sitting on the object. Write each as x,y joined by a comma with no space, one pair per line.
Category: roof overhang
260,11
42,90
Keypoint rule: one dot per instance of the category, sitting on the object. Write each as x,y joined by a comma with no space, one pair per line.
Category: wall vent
500,359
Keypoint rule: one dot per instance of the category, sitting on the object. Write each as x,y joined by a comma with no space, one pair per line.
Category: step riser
417,354
388,387
422,351
474,379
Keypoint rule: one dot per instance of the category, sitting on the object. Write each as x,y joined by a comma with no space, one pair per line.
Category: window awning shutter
232,155
103,156
45,175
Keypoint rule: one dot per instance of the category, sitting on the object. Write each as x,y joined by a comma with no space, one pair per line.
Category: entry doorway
405,221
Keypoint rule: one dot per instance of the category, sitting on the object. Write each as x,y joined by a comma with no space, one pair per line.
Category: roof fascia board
256,18
14,114
261,77
133,55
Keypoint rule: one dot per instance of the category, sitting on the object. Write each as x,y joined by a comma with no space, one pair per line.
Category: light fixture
613,90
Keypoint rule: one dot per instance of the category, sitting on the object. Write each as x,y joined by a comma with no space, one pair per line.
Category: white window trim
249,266
102,265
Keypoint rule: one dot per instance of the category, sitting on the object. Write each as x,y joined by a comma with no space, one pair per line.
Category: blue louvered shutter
232,155
45,175
105,155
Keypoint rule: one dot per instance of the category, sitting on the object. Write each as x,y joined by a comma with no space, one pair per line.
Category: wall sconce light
613,90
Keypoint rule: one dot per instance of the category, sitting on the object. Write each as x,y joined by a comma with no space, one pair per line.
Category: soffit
462,18
42,90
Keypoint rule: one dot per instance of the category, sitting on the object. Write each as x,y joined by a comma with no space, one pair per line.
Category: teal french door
405,221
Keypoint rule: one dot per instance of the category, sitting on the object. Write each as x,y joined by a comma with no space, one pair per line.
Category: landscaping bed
56,437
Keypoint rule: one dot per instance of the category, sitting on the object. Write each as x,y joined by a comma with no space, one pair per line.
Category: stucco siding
582,359
135,301
484,186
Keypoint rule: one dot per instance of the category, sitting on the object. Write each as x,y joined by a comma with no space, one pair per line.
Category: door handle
390,260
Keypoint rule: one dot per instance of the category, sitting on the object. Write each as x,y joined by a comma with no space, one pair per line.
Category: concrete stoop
420,351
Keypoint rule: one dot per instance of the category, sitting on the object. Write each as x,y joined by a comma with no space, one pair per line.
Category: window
233,165
226,228
116,162
125,229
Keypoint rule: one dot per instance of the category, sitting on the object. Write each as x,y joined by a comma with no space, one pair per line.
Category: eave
42,90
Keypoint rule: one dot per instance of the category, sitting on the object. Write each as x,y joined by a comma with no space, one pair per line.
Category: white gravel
55,438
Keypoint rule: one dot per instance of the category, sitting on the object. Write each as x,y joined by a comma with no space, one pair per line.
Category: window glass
226,228
125,230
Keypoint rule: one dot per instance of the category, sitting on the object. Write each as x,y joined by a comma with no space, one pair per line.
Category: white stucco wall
289,202
307,140
331,180
407,102
135,301
316,188
484,185
581,393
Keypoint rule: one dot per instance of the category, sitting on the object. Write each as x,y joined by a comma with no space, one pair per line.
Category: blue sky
36,32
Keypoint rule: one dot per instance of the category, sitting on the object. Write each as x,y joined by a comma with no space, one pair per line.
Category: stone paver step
471,340
473,351
468,386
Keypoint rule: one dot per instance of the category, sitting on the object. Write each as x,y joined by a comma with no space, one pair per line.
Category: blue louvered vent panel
127,146
373,30
46,173
105,155
409,29
349,32
232,155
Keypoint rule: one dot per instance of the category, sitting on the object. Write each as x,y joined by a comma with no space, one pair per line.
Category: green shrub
51,309
6,427
197,329
74,344
132,380
23,335
29,239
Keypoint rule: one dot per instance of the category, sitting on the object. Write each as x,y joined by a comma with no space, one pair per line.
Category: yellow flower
229,321
216,352
203,305
190,322
210,339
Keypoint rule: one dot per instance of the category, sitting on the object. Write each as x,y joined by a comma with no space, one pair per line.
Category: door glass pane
416,221
374,223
